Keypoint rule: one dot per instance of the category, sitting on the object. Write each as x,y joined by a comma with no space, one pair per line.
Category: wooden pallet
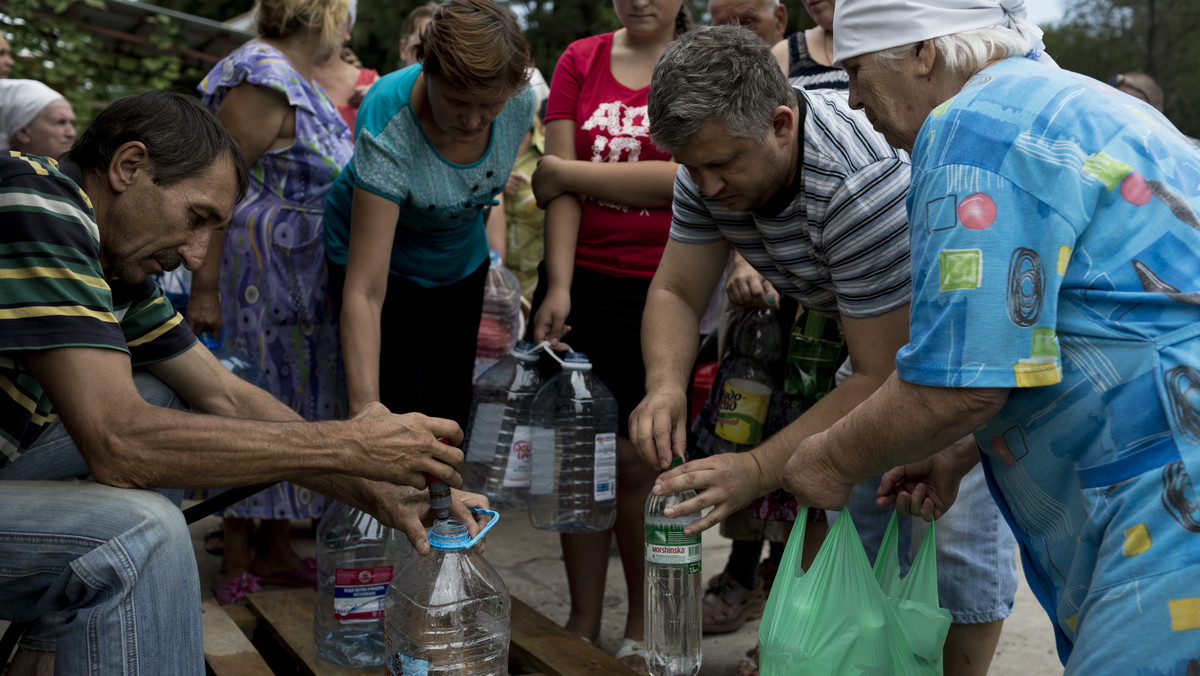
538,647
227,651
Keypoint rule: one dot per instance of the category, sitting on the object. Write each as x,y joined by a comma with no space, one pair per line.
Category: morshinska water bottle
497,441
573,482
500,323
448,612
356,559
746,389
672,588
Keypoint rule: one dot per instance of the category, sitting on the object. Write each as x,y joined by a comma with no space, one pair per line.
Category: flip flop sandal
234,590
631,648
304,576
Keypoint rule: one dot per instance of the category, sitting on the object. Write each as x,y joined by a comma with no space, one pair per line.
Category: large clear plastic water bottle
357,557
573,482
673,595
497,443
448,612
747,386
500,323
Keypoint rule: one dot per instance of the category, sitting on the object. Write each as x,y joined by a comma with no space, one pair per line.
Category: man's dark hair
182,138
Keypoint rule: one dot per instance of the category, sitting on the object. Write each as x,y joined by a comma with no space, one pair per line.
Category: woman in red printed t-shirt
607,191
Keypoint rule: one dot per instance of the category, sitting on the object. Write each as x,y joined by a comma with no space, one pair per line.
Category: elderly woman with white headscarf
1055,314
35,119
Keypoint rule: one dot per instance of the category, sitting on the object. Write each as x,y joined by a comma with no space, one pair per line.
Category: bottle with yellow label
746,390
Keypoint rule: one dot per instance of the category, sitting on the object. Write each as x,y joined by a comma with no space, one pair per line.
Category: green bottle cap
675,462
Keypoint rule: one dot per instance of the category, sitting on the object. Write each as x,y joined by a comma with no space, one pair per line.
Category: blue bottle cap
450,535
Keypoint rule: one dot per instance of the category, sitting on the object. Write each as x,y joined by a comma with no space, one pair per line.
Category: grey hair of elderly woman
963,53
724,73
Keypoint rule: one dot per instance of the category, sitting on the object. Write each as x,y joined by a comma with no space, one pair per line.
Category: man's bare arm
128,442
677,297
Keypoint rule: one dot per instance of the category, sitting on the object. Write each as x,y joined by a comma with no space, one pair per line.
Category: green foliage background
86,70
1096,37
1101,38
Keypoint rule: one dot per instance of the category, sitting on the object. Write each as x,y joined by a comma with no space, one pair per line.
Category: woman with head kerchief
35,119
1055,314
265,281
608,192
434,146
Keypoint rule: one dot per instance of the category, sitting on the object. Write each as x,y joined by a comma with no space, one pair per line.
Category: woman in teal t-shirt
405,221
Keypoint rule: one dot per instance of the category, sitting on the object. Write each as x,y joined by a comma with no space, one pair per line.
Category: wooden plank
288,617
242,617
555,651
545,646
227,651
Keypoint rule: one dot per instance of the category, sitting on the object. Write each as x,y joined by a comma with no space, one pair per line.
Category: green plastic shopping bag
843,618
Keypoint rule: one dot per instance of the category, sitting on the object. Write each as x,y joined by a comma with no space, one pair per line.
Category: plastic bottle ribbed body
499,324
497,444
356,559
573,422
673,596
448,613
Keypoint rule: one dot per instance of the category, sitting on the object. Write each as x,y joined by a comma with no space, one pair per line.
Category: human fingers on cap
447,431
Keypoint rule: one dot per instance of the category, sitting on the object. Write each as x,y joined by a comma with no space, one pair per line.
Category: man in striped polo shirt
814,199
104,571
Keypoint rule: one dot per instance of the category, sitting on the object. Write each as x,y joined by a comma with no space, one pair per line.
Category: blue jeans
106,575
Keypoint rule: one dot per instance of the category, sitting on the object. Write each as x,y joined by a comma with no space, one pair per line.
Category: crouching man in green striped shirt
101,568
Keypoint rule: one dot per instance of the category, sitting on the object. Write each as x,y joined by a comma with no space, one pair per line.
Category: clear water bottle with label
673,596
356,559
448,612
747,387
501,323
573,482
497,443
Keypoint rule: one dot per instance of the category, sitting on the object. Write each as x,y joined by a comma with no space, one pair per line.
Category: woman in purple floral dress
265,281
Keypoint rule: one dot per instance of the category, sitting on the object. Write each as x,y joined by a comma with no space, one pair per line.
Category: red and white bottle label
358,593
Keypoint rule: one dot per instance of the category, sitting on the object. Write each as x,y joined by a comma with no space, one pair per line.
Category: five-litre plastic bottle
673,595
500,323
448,612
747,386
573,482
356,559
497,442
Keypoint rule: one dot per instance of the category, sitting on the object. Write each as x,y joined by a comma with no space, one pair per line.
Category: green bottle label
666,545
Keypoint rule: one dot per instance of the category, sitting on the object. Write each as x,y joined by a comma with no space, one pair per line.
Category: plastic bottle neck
449,535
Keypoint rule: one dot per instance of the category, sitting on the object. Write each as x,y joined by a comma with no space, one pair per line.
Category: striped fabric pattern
804,71
841,245
53,293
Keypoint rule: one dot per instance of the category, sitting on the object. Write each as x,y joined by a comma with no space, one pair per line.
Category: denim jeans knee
107,576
